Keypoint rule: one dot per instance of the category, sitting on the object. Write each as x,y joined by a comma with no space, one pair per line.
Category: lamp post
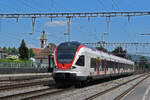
68,30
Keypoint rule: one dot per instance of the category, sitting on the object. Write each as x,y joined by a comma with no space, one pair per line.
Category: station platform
14,77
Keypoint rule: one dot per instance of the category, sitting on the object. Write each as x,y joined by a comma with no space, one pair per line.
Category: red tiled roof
36,50
45,52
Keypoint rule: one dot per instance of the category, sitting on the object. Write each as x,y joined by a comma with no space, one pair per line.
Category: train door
102,67
114,67
119,67
88,64
93,66
111,67
98,65
105,66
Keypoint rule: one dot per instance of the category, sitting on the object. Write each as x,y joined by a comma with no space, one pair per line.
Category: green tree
23,51
11,50
5,50
101,48
31,53
8,49
143,63
14,50
119,52
129,57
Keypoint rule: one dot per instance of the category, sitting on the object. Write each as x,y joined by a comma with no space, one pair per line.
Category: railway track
47,94
5,83
51,91
25,84
24,94
30,95
115,87
130,89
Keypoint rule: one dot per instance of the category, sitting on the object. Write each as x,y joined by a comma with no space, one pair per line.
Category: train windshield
66,52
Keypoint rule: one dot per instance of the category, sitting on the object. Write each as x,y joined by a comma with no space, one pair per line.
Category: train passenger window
120,65
106,64
102,65
93,63
98,63
109,64
80,61
114,65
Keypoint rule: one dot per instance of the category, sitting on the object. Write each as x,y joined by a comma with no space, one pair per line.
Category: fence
11,67
15,64
22,70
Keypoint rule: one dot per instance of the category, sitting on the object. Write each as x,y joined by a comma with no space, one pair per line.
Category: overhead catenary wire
52,5
8,6
101,3
115,5
37,5
28,5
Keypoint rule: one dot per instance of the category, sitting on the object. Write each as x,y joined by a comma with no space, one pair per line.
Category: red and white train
77,63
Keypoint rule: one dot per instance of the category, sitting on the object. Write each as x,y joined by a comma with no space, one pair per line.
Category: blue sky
81,29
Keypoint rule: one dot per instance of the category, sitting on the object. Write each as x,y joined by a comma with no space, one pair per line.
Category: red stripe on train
56,56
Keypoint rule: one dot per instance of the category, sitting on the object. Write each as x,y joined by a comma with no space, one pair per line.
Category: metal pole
65,36
108,22
33,25
102,39
102,36
68,27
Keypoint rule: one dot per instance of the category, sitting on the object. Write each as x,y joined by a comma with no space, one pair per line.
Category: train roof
108,56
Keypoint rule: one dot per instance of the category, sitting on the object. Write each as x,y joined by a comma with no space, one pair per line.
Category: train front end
70,63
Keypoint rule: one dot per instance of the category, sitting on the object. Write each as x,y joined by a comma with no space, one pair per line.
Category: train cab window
80,61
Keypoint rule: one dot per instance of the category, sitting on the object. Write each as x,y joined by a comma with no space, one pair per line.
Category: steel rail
130,89
47,94
25,84
110,89
8,97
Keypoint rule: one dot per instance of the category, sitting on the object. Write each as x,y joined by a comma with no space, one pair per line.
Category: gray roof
1,49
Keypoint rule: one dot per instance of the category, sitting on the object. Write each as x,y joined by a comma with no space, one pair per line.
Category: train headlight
73,67
56,67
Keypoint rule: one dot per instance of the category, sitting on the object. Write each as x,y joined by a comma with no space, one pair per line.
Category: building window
41,61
